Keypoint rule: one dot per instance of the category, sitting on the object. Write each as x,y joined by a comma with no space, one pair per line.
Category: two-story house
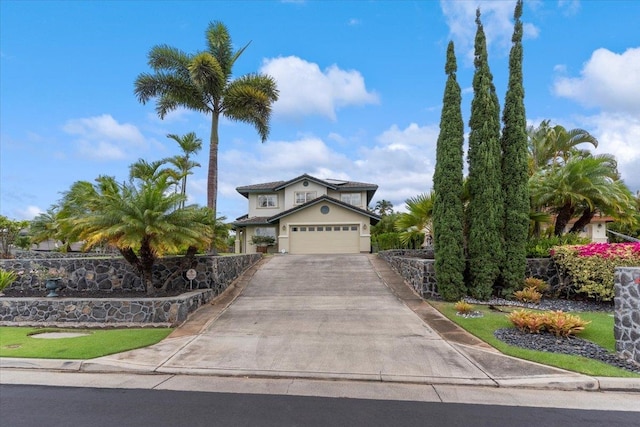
307,215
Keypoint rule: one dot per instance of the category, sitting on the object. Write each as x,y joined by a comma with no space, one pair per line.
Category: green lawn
18,342
599,331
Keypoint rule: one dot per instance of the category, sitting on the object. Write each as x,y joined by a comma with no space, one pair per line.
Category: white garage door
324,239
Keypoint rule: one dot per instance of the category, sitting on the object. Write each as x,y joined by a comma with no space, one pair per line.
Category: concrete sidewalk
329,318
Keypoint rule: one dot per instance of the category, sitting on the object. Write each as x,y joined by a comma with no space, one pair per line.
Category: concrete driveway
330,317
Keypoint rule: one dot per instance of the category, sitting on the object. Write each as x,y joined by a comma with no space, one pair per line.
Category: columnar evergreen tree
447,184
514,167
486,216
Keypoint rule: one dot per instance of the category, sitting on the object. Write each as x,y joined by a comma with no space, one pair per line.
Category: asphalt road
22,405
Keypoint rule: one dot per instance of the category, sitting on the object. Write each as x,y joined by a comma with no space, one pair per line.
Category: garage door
325,239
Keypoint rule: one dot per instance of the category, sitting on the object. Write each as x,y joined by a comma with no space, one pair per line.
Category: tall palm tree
190,144
383,208
141,220
416,223
203,82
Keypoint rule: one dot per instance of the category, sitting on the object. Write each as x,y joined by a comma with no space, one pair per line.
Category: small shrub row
540,247
558,323
591,267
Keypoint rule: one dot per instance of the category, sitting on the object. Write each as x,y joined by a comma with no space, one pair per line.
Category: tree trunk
187,262
212,175
564,215
147,259
583,221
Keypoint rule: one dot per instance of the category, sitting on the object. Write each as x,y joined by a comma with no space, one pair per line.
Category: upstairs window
267,201
353,199
304,196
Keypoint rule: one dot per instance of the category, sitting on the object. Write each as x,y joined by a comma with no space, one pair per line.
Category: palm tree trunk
564,215
583,221
212,175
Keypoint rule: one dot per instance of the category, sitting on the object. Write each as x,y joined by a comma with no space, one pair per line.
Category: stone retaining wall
627,312
109,274
214,275
420,272
169,310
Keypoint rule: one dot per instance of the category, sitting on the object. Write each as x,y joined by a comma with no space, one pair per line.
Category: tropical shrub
6,278
529,294
591,267
557,323
563,324
527,321
538,284
463,307
540,247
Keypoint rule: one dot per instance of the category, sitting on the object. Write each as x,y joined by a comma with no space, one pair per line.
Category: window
266,231
267,201
304,196
351,198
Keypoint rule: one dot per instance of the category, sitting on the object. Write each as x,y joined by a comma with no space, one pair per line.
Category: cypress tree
447,184
485,211
514,167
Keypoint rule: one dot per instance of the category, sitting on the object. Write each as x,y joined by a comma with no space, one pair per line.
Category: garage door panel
324,239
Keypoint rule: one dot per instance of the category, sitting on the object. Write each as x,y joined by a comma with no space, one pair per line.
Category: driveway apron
322,316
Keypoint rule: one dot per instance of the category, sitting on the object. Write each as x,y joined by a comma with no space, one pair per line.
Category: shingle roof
254,220
334,184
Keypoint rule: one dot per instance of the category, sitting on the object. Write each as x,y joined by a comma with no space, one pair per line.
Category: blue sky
361,85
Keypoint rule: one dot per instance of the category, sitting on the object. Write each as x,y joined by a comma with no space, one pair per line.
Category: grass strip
599,331
19,342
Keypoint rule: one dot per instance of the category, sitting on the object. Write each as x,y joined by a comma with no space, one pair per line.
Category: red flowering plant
591,267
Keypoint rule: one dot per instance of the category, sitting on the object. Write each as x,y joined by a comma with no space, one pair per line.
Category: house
596,230
307,215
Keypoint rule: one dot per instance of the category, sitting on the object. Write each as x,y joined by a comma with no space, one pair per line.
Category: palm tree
150,172
551,146
46,226
581,186
190,144
143,222
203,82
383,208
416,223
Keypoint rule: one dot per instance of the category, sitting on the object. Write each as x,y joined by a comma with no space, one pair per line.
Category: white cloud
29,213
618,134
497,21
103,138
608,80
305,89
401,162
569,7
354,22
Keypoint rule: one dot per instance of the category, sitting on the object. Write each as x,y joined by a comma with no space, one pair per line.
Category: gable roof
261,220
333,184
374,218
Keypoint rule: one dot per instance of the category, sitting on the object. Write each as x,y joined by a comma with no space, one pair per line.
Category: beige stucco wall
290,192
254,210
336,216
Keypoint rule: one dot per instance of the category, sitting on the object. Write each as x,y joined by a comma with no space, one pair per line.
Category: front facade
306,215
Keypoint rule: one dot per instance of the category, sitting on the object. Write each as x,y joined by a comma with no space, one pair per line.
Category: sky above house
361,86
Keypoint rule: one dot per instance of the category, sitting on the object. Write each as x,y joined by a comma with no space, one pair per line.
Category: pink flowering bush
591,267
